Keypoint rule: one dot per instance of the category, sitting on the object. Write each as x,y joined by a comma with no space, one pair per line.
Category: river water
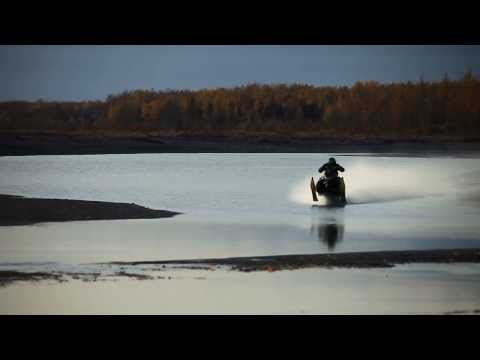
250,205
243,205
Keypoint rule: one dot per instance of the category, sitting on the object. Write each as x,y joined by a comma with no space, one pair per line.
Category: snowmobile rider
331,169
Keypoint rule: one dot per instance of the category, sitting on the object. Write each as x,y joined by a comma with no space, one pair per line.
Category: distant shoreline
28,143
19,210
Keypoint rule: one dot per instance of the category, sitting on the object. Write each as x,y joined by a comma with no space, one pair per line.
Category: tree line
371,109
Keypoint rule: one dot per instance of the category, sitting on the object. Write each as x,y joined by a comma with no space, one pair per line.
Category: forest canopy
371,109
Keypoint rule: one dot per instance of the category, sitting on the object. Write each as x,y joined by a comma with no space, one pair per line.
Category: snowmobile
333,189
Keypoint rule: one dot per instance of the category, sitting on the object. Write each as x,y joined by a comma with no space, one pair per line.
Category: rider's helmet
332,160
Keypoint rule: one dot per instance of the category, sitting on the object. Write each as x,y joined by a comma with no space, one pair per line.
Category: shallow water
408,289
242,205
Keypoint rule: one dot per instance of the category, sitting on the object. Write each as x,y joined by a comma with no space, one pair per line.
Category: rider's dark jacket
331,170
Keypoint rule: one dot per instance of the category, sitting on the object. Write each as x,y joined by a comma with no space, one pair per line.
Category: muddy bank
77,144
9,277
18,210
379,259
111,271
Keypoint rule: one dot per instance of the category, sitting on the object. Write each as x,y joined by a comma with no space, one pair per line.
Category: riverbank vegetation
447,108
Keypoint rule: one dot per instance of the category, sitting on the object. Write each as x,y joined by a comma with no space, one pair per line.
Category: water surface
242,205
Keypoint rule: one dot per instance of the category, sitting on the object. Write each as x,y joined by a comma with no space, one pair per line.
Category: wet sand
377,259
18,210
9,277
140,270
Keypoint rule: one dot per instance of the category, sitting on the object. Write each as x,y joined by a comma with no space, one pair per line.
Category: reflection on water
328,225
330,234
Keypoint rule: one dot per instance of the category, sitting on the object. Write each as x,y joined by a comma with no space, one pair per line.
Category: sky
87,72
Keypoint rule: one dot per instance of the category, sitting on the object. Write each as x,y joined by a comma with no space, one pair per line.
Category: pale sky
93,72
